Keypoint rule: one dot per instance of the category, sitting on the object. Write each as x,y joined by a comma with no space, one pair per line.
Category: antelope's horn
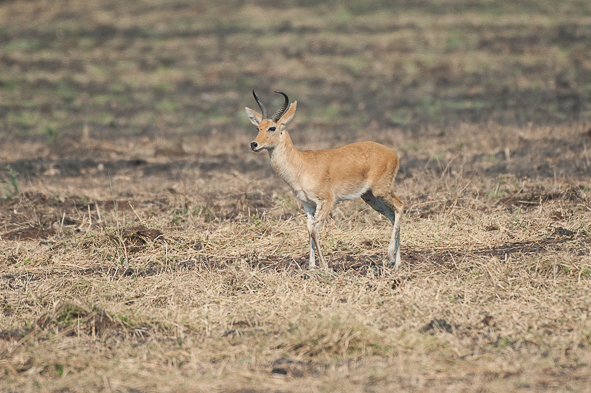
263,109
281,110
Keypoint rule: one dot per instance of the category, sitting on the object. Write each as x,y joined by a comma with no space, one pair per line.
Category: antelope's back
358,163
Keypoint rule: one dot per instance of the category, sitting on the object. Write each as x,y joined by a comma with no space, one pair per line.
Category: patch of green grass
410,146
101,99
66,92
468,104
69,313
59,370
118,87
125,320
52,136
103,118
20,45
162,87
331,113
454,40
432,108
166,105
180,216
401,116
24,118
355,65
9,84
497,193
11,188
341,16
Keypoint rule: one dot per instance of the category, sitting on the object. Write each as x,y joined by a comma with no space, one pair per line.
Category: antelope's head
270,130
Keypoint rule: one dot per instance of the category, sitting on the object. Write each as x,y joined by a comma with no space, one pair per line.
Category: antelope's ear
287,116
254,117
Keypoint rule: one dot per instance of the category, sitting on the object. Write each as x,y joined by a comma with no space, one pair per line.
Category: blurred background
177,69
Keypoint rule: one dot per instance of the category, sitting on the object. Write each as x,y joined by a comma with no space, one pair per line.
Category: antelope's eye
272,128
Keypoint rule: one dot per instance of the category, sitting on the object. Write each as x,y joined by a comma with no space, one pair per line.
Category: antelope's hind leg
391,207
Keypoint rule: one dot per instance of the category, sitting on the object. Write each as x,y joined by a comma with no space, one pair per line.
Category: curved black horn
263,109
281,110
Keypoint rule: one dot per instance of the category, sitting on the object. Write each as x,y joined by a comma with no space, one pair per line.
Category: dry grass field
143,247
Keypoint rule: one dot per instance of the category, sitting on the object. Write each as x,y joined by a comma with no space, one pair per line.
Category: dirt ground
143,247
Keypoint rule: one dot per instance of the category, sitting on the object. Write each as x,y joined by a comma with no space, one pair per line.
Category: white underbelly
305,198
353,195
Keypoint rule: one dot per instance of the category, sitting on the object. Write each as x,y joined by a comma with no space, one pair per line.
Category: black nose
253,145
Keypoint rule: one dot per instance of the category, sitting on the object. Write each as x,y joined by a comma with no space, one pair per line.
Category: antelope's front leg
322,210
310,212
314,242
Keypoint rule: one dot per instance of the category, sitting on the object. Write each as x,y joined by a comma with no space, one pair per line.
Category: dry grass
492,295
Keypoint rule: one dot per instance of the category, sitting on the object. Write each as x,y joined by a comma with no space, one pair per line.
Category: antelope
319,178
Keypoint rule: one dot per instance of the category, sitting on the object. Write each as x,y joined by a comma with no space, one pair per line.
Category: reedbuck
319,178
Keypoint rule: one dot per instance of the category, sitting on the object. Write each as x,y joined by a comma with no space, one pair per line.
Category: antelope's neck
287,161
